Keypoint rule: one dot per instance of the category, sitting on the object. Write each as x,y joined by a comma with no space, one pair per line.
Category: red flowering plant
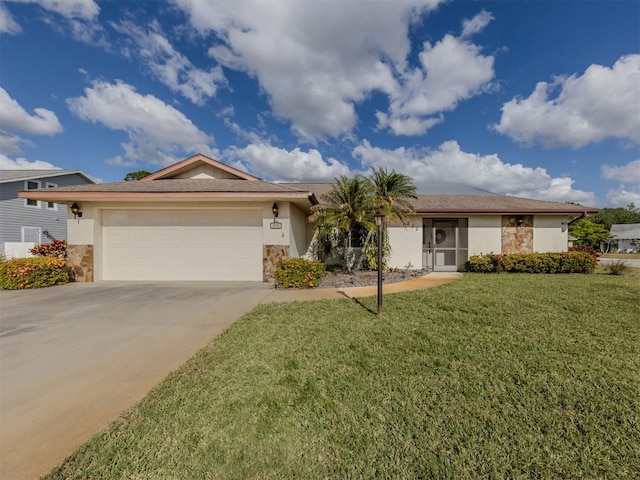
55,249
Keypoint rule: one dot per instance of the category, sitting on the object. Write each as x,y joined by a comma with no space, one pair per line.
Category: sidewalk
428,281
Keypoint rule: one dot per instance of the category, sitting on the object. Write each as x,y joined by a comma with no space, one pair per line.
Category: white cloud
16,118
7,163
450,71
629,173
80,16
448,163
629,189
171,67
158,133
603,102
476,24
623,196
11,144
80,9
279,164
314,60
7,22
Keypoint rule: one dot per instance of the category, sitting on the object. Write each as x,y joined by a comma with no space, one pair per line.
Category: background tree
610,216
589,233
132,176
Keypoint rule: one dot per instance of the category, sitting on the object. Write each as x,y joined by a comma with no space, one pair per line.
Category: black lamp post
380,224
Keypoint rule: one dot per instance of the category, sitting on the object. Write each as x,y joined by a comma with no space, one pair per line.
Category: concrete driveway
74,357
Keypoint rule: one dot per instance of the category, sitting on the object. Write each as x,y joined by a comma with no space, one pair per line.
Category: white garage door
181,245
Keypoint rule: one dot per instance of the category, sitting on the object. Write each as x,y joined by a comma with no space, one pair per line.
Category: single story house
200,219
626,237
27,222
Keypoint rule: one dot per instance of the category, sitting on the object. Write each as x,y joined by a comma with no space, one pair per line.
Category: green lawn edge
493,376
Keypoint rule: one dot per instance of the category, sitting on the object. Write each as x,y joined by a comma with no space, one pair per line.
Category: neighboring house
25,222
626,237
203,220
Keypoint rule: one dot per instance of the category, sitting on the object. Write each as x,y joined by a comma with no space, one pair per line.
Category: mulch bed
342,279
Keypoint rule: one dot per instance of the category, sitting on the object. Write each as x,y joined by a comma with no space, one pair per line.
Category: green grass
620,255
493,376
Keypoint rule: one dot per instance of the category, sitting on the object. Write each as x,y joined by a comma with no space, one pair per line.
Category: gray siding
14,214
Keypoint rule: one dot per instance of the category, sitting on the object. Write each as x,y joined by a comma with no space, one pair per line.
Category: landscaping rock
343,279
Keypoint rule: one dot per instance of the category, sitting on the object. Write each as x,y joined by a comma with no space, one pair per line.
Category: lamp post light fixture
75,209
380,224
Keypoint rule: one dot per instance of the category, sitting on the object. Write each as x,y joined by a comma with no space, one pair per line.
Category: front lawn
622,256
493,376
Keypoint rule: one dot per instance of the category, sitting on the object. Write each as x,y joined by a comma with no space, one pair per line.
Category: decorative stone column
271,256
517,234
80,259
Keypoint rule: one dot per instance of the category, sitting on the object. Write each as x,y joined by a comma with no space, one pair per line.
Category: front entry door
445,244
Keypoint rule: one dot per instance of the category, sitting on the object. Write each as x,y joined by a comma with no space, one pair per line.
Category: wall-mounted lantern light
274,209
75,209
520,220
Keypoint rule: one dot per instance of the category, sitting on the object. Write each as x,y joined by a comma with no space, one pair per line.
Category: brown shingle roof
187,185
231,188
492,204
318,189
480,201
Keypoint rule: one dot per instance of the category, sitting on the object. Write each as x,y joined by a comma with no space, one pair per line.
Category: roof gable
199,167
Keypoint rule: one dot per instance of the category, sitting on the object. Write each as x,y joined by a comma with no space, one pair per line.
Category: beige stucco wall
485,234
550,233
81,230
298,231
406,245
276,236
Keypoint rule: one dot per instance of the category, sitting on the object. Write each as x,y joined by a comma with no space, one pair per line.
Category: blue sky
535,99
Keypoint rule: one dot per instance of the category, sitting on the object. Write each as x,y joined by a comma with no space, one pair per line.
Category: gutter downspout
578,218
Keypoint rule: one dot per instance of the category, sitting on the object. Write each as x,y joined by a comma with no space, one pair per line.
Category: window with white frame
51,205
32,235
31,185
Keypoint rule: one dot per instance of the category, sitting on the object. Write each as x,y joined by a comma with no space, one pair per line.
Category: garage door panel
182,245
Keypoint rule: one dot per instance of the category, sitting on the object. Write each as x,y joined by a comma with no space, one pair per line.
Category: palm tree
346,206
391,193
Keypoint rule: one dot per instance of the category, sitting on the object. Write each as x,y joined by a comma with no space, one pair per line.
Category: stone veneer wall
271,255
517,238
80,259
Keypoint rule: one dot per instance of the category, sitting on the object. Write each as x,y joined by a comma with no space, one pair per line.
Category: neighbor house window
51,205
31,185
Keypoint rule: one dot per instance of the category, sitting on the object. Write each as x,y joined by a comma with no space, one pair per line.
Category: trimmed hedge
550,262
298,273
37,272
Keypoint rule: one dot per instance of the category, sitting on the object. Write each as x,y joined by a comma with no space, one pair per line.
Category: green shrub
298,273
618,267
549,262
56,249
36,272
